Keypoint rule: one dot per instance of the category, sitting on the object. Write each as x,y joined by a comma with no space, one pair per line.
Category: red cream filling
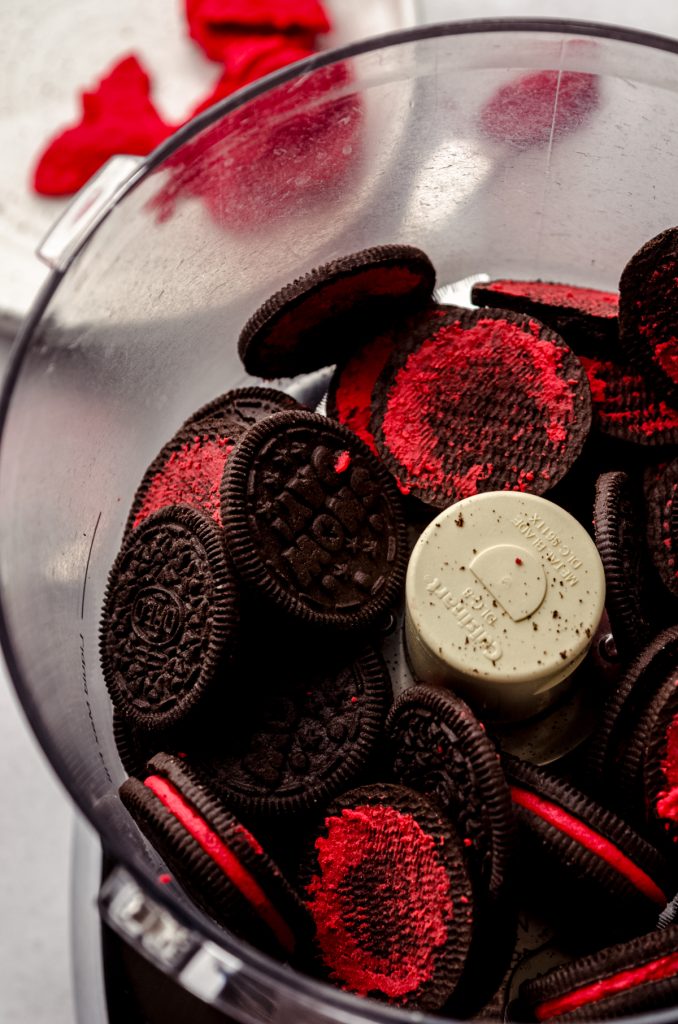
591,840
237,874
456,361
354,393
625,401
667,801
381,901
655,970
569,296
191,476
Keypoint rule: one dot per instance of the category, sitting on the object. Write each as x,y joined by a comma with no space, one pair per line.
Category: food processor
155,267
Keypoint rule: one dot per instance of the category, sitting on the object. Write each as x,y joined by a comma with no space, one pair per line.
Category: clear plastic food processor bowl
162,261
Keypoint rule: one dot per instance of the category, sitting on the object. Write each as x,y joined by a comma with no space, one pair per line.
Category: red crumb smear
117,117
468,842
386,937
191,476
342,463
533,109
354,700
519,561
164,879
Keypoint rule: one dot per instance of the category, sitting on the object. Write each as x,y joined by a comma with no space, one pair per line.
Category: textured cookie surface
661,491
648,316
170,617
314,521
439,748
307,732
484,400
627,406
315,320
388,890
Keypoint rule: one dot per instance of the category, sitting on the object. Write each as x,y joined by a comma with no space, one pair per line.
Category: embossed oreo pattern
169,617
305,736
313,521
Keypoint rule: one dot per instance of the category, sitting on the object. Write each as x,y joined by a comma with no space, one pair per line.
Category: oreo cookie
627,407
308,731
438,747
215,858
634,977
585,318
661,494
653,753
615,775
169,625
349,398
619,536
483,400
313,321
189,468
648,320
581,858
386,884
314,522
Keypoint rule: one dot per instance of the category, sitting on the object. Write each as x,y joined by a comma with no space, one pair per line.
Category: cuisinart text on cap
504,594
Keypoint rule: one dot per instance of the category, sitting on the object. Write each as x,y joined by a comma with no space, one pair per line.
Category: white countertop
50,49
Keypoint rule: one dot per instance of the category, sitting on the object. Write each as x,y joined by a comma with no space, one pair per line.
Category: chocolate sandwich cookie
633,977
661,502
619,536
308,731
484,400
314,321
585,318
626,406
189,468
349,398
594,863
615,775
236,411
651,757
438,747
314,522
169,625
387,887
648,316
215,858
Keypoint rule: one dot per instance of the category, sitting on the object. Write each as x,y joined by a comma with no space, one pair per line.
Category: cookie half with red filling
648,313
315,320
633,977
215,858
386,883
585,318
480,400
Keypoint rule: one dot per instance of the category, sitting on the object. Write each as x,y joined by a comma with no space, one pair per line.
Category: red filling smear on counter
667,801
625,404
568,296
381,901
655,970
252,60
219,27
439,439
209,841
535,109
590,840
117,117
191,476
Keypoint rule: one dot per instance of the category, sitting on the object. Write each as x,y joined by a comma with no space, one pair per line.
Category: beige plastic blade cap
504,594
